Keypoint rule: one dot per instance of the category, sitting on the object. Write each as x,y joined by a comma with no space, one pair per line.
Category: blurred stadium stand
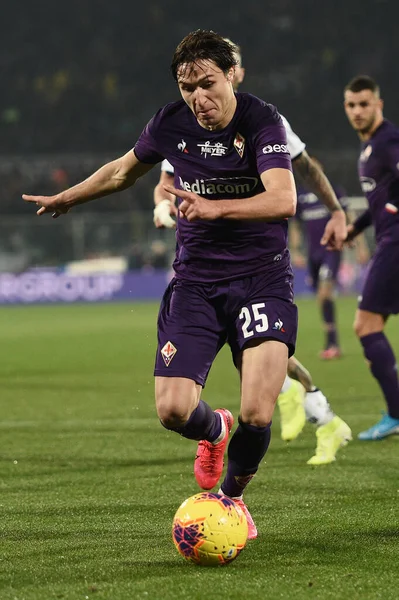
81,79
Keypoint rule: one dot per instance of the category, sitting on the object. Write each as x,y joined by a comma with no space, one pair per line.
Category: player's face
363,109
208,92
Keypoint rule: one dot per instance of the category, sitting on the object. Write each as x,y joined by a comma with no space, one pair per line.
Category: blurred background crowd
81,79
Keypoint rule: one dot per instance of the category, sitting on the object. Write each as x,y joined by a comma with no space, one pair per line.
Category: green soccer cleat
292,412
330,438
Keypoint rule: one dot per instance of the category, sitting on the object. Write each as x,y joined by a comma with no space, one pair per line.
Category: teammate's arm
297,371
278,202
316,181
164,202
112,177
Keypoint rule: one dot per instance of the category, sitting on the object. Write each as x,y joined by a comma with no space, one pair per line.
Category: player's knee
358,328
256,419
258,414
363,327
172,415
325,291
174,403
173,407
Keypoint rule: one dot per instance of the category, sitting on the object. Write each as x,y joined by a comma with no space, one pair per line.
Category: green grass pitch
90,481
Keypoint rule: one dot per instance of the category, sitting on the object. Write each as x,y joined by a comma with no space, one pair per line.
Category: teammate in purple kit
233,280
323,265
378,168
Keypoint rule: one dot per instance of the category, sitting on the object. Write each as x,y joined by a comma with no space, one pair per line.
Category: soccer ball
209,529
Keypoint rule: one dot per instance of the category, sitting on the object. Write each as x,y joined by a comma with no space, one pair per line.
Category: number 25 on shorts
252,315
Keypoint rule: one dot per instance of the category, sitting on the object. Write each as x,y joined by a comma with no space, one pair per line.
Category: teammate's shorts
196,320
324,267
381,286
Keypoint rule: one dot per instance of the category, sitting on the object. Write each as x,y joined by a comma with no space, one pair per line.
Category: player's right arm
278,201
112,177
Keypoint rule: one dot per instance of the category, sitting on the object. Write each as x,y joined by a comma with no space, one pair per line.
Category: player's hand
163,214
335,232
193,206
48,204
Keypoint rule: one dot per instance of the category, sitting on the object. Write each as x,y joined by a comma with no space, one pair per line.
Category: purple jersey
378,168
223,164
314,215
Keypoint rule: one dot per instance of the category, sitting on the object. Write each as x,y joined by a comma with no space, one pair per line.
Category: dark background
81,79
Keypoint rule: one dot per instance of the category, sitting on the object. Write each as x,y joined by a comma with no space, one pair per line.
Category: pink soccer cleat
252,530
208,463
330,353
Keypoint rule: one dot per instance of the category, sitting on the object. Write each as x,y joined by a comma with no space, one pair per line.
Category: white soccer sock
317,408
221,492
222,431
286,385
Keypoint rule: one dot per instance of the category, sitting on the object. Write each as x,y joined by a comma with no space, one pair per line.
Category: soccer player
378,168
233,279
323,265
297,402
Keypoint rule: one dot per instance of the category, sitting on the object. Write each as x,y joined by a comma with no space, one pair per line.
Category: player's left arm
278,202
316,181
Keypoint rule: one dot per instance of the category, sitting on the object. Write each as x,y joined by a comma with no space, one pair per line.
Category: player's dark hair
204,45
360,83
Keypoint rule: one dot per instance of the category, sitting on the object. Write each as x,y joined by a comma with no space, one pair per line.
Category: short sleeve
146,148
167,167
270,142
295,145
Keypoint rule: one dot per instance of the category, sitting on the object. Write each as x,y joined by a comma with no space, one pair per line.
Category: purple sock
203,424
246,449
328,312
379,353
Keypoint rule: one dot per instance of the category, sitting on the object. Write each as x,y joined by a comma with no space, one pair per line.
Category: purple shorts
195,320
380,293
324,266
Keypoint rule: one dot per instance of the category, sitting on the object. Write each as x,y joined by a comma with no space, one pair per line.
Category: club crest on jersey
168,352
216,149
239,144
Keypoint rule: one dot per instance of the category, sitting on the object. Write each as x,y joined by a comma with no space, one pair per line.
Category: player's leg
265,332
325,296
262,369
369,327
380,298
189,336
332,432
291,408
